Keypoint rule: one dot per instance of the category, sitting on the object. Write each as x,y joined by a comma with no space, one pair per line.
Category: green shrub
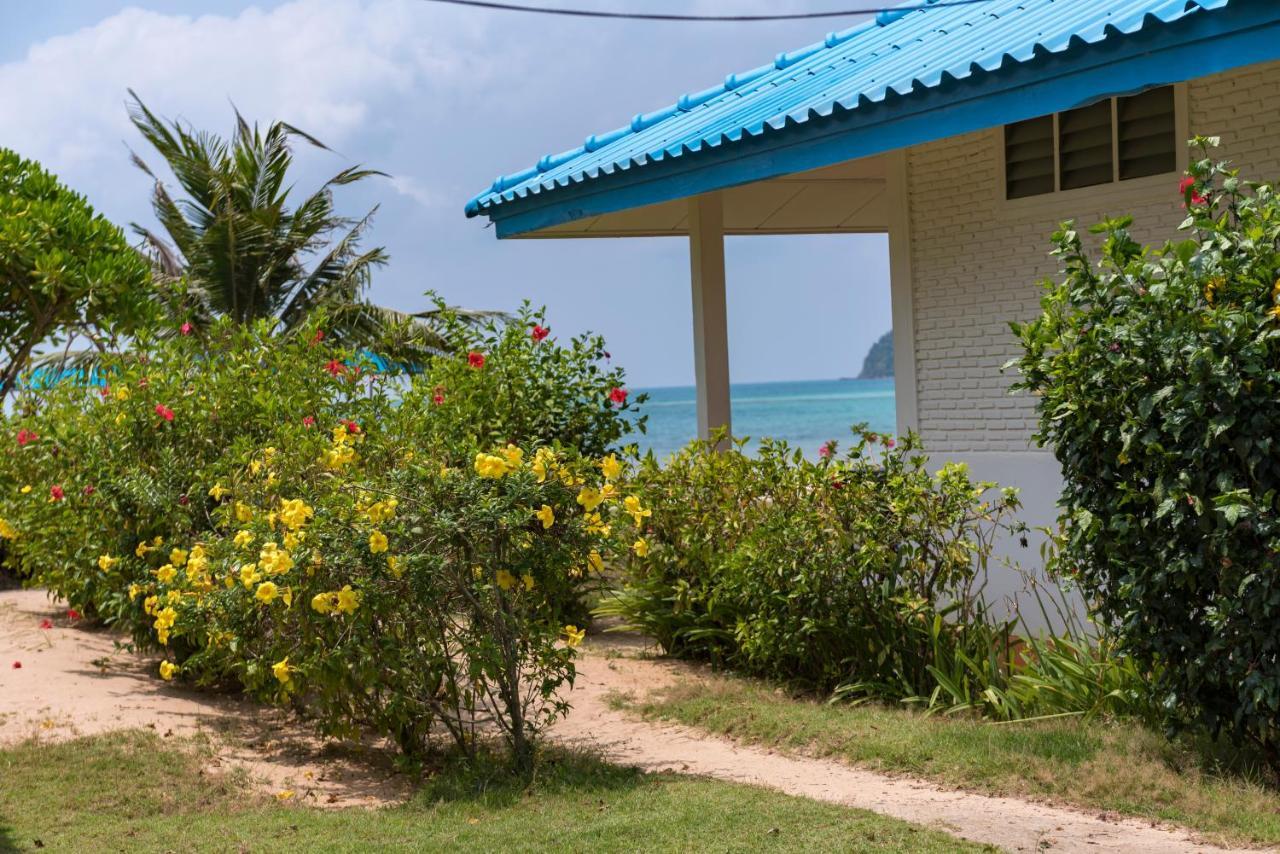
1157,387
862,571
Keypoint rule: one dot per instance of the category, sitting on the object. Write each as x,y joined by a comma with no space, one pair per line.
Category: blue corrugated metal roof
900,53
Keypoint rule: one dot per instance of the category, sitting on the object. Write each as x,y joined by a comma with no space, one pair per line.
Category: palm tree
236,249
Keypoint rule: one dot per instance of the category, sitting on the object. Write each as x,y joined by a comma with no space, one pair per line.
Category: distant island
879,361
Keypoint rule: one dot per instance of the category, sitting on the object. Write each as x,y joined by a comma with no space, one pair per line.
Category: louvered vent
1148,138
1028,158
1084,146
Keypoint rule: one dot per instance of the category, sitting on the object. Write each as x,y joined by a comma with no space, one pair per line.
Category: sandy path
1015,825
73,681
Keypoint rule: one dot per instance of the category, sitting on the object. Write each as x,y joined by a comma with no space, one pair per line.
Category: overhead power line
657,16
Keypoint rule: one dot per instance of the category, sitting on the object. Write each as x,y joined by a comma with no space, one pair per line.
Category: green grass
133,791
1112,766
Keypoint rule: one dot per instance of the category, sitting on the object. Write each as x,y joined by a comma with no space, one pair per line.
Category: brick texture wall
977,259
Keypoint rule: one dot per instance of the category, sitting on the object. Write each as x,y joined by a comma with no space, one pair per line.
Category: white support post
710,317
897,188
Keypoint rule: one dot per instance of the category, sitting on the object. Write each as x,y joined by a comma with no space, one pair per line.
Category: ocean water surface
806,413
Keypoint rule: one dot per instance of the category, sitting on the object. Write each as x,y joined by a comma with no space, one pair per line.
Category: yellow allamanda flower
597,525
395,565
1275,312
590,498
640,547
178,557
134,590
142,549
106,563
632,505
120,418
543,459
505,579
596,561
166,574
347,600
7,531
122,393
281,670
295,513
242,539
323,603
26,490
573,635
611,467
445,471
547,516
527,581
267,592
244,513
249,575
377,542
286,596
490,466
149,605
382,511
274,560
293,540
513,456
173,597
167,670
608,492
217,491
339,456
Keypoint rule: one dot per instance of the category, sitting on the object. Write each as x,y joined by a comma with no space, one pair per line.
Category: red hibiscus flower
73,614
827,450
26,437
475,360
539,332
164,412
105,391
318,337
309,421
1186,184
185,329
56,493
335,368
618,395
46,624
352,427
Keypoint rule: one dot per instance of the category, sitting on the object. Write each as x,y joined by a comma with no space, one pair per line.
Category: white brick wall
977,259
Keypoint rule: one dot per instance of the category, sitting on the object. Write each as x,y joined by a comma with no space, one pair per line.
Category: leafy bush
863,571
272,512
1157,386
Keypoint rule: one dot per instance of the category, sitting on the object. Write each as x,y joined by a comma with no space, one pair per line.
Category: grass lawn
1110,766
133,791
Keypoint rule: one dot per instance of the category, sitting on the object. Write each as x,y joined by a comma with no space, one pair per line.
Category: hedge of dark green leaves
1158,380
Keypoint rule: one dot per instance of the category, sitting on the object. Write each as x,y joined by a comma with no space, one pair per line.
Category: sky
444,99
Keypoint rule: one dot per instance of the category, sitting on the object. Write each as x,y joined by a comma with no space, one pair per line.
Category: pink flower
475,360
25,437
56,493
309,421
185,329
827,450
889,443
539,332
1186,184
164,412
335,368
1197,199
618,395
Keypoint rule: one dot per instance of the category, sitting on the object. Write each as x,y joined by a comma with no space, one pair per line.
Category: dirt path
1014,825
74,681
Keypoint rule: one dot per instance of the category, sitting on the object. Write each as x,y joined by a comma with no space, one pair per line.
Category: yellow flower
120,418
542,459
611,467
134,590
273,560
292,540
590,498
244,513
149,605
445,471
173,597
505,579
8,532
489,466
26,489
249,574
640,547
281,670
382,511
513,456
632,505
295,513
377,542
395,565
287,597
242,539
573,635
122,393
596,561
527,580
255,467
166,574
339,456
347,600
285,795
217,491
267,592
608,492
1275,312
323,603
142,549
167,670
106,563
596,524
177,557
546,516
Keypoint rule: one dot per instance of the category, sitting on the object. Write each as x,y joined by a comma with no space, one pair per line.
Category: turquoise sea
806,413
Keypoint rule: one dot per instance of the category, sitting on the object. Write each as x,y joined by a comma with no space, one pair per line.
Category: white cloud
324,66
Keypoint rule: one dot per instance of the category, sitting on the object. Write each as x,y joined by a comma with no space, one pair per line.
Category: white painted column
897,188
710,316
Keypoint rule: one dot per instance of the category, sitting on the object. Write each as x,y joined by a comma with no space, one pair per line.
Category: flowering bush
273,512
860,570
1157,388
